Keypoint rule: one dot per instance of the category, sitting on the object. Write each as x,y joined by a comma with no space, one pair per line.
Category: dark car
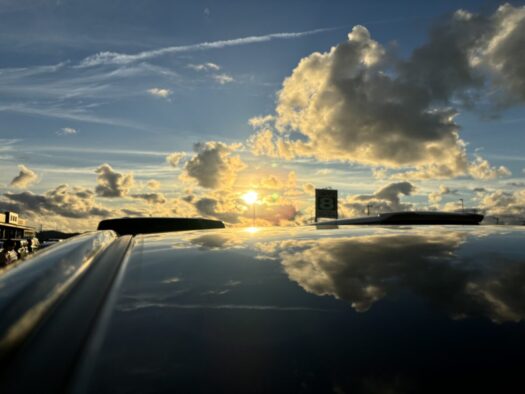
358,309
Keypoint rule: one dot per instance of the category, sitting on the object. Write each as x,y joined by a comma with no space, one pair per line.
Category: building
12,226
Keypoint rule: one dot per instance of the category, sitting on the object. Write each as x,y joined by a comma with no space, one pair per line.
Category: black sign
325,203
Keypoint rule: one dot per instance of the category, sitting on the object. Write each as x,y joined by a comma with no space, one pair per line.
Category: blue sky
179,73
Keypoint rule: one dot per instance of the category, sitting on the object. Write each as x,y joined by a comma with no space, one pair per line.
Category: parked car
50,242
9,256
33,244
353,309
21,247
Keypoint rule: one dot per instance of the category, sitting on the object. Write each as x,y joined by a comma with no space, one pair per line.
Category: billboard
11,217
325,203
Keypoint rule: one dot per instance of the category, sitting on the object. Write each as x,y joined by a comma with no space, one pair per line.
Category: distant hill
53,234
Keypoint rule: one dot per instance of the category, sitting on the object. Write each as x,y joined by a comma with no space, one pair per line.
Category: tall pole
462,205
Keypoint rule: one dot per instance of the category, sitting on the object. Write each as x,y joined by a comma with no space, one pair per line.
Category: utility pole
462,205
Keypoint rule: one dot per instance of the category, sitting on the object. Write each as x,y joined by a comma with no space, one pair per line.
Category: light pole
462,205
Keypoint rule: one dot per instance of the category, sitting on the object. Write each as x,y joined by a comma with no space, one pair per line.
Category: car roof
353,309
285,309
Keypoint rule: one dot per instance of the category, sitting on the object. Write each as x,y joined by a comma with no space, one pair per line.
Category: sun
250,197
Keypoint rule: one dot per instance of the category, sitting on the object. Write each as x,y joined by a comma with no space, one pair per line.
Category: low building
12,226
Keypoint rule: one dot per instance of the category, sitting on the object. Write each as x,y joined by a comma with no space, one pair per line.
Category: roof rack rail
149,225
411,218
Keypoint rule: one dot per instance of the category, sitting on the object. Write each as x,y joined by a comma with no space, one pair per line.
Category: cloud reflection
365,269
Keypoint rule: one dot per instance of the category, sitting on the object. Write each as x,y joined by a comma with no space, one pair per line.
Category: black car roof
358,309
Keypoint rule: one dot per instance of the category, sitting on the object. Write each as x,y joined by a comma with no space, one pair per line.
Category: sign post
325,204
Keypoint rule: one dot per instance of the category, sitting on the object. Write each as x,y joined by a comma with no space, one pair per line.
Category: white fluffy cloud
160,92
360,103
25,177
435,197
67,131
175,158
509,207
223,79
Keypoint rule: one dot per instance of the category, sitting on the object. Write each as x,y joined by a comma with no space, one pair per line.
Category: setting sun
250,197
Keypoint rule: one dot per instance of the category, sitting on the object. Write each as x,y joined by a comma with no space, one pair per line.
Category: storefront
12,226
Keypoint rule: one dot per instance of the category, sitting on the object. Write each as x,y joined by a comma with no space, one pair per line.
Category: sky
170,108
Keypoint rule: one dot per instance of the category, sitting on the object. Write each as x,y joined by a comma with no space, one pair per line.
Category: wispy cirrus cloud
60,112
204,67
123,58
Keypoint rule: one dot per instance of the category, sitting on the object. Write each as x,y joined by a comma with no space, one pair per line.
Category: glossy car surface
357,309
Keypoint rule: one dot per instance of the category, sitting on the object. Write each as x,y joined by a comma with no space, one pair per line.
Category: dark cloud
111,183
360,102
75,203
25,177
213,166
385,199
151,198
210,207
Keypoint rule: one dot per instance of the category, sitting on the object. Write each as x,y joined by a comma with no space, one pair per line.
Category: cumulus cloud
481,169
309,188
435,197
213,165
360,103
212,208
508,207
67,131
160,92
385,199
502,52
223,79
111,183
175,158
25,177
270,182
153,184
261,121
69,202
151,198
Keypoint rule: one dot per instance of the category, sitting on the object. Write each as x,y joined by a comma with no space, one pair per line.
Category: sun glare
250,197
